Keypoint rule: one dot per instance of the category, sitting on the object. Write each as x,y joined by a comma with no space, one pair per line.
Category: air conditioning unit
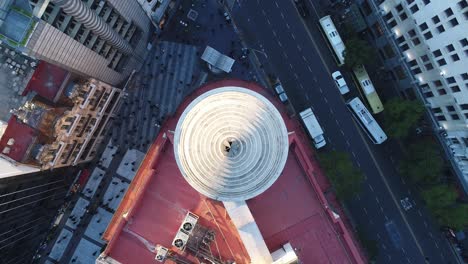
161,253
180,240
189,223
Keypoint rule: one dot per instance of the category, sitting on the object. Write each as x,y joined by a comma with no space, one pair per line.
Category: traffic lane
334,97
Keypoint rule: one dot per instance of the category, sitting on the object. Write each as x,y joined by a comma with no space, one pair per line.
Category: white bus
334,38
367,121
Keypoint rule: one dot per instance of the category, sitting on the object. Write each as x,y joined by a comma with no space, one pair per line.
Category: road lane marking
320,89
419,212
347,143
377,199
285,55
290,65
378,235
325,99
296,76
303,57
384,247
276,3
279,43
287,25
437,245
307,96
381,209
292,35
342,133
370,186
365,210
425,224
386,217
331,111
268,21
282,15
309,68
302,86
352,152
430,234
274,33
263,12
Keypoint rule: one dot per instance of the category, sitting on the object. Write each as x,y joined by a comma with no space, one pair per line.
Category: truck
313,127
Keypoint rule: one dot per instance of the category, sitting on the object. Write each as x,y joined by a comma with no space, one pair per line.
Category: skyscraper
104,39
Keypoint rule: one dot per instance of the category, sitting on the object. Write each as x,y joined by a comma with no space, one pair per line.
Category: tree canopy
455,216
345,178
400,116
423,163
439,196
358,52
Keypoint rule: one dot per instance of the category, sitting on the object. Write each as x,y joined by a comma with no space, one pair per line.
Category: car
406,204
302,8
340,82
281,94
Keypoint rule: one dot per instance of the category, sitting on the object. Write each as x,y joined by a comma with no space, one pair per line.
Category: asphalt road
301,59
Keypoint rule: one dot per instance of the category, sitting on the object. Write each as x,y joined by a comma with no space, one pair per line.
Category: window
450,80
423,26
399,7
414,9
413,63
428,35
464,106
428,94
392,24
437,110
377,29
435,19
466,53
450,48
429,66
409,1
441,118
437,53
455,57
404,47
417,70
464,42
462,4
441,62
465,14
426,2
450,108
464,76
403,16
448,12
388,16
453,22
400,72
437,83
400,39
441,29
455,117
424,58
416,41
455,89
412,33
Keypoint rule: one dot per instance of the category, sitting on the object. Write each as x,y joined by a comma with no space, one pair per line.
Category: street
299,56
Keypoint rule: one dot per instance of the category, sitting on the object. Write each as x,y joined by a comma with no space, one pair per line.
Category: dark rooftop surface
47,80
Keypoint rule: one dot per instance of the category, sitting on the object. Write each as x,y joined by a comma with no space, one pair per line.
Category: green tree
358,52
401,115
423,163
455,216
345,178
439,196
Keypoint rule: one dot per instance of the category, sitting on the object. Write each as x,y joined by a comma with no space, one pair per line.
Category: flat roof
47,81
294,209
20,135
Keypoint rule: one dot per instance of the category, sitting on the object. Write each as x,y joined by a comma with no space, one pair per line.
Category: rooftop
17,139
47,81
159,198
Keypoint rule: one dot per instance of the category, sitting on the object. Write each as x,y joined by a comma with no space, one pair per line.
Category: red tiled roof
23,136
46,80
293,210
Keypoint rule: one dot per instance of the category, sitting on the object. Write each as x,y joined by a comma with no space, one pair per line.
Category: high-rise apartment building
103,39
424,44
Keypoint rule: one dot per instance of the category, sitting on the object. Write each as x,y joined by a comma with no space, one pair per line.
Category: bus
334,38
366,121
368,88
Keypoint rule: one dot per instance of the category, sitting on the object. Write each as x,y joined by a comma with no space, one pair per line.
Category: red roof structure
294,209
18,137
47,81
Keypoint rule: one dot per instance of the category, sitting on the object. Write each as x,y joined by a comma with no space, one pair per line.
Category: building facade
424,45
62,125
158,11
28,205
105,40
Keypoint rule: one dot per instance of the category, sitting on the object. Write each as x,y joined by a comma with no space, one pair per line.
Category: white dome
231,144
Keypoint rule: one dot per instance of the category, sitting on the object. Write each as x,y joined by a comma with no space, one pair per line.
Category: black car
302,8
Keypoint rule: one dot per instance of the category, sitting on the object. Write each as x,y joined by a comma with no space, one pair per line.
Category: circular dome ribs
231,143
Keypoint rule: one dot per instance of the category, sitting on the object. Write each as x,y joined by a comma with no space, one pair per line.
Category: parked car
281,93
340,82
302,8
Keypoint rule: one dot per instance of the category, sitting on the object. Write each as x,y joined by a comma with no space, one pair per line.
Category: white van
313,127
